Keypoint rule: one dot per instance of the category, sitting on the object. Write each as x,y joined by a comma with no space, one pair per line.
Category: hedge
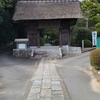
95,59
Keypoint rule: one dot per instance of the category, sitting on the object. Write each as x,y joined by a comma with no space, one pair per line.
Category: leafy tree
97,28
51,35
82,34
7,29
91,10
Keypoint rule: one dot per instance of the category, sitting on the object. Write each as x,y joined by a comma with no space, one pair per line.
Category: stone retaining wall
22,53
70,50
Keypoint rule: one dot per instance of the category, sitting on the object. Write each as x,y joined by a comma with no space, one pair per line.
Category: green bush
95,59
42,41
97,28
82,34
87,43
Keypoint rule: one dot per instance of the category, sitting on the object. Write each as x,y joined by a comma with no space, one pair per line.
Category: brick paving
46,83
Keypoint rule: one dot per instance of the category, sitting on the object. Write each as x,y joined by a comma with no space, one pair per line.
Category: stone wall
70,50
22,53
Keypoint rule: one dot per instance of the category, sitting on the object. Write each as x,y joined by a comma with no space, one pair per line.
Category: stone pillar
60,39
38,39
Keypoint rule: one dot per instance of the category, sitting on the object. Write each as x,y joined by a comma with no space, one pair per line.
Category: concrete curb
88,49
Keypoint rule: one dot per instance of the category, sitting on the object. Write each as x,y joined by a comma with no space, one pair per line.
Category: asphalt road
78,77
15,75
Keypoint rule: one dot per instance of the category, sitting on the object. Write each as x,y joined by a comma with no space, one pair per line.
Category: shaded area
15,75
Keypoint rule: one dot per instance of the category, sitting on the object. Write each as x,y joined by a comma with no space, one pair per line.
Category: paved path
15,75
78,77
46,83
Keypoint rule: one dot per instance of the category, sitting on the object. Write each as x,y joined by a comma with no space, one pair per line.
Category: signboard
21,46
94,36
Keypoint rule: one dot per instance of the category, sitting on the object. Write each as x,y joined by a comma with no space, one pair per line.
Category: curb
84,50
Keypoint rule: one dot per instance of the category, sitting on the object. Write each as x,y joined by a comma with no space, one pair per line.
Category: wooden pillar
38,39
60,39
69,35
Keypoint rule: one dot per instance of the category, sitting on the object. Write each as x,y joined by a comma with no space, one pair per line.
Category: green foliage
95,59
7,28
73,40
51,34
87,43
97,28
42,41
82,34
91,10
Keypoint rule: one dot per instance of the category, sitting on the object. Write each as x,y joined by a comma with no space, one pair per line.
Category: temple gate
38,14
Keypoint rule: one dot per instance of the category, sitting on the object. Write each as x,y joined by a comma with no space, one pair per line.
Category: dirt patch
94,83
2,91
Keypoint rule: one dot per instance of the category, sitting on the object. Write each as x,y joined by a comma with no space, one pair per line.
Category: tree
82,34
91,10
4,4
97,28
7,29
51,34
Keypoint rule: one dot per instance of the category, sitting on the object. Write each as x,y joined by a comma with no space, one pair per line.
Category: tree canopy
91,10
7,29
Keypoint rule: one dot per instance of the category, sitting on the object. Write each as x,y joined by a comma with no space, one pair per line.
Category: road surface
78,77
15,74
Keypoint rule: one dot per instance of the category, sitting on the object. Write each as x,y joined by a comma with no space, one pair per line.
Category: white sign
94,36
22,46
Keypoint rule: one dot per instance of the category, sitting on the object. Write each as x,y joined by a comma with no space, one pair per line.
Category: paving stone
35,90
45,93
37,78
46,81
46,86
36,86
57,92
54,79
33,97
37,82
46,72
46,76
55,82
58,97
45,98
56,87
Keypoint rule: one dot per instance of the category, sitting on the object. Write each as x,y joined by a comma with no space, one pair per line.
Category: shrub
87,43
95,59
82,34
42,41
97,28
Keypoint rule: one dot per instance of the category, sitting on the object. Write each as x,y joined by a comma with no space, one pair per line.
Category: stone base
22,53
66,50
48,51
